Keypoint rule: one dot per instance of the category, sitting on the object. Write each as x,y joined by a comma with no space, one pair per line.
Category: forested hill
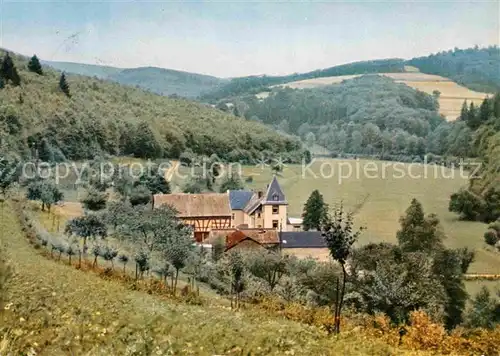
487,146
157,80
475,68
367,115
168,81
256,84
481,201
99,117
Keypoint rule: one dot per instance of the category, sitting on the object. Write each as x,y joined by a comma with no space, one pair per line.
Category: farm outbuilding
304,244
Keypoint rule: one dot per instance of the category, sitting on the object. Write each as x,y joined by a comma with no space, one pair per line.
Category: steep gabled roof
274,194
253,204
239,198
196,205
303,239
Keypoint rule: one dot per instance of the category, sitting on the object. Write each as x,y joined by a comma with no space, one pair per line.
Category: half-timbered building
203,212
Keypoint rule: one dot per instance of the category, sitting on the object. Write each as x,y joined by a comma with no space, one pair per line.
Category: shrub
491,237
467,204
140,195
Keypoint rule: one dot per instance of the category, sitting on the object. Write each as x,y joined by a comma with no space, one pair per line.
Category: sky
236,38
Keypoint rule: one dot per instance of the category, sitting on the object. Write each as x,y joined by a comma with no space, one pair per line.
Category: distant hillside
475,68
90,70
370,114
102,117
167,81
256,84
157,80
451,95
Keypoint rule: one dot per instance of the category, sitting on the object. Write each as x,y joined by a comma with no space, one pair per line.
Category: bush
491,237
467,204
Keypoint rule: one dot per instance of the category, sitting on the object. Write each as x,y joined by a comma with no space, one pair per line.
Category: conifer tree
419,233
8,71
464,112
63,85
315,211
35,66
484,111
473,117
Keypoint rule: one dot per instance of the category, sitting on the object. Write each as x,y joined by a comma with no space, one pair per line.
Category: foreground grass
54,309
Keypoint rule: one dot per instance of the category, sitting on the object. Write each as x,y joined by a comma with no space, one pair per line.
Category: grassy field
380,202
54,309
381,196
450,101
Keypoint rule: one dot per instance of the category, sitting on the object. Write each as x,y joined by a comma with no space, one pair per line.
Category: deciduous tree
340,235
94,200
90,225
268,266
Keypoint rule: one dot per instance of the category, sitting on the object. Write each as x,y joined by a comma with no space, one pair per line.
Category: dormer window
275,197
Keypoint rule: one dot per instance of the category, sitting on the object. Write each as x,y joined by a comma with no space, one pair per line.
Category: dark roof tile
303,239
239,198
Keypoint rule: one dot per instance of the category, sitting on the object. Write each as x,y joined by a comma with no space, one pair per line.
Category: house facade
252,211
261,209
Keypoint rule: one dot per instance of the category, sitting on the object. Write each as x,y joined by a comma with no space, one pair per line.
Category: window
276,209
258,215
233,216
275,224
275,197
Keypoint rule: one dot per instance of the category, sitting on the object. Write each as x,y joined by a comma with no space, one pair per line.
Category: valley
353,225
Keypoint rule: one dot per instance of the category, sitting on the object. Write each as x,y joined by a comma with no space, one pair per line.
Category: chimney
260,193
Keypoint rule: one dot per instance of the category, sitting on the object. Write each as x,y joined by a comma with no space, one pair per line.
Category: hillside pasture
450,101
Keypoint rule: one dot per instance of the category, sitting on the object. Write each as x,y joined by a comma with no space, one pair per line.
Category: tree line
256,84
369,115
481,200
99,118
476,68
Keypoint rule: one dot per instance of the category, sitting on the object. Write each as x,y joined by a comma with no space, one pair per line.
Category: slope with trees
481,200
364,115
104,118
259,83
475,68
157,80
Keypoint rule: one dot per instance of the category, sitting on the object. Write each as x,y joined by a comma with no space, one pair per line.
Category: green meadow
380,192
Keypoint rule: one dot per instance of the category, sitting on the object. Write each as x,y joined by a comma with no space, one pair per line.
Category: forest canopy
475,68
366,115
100,118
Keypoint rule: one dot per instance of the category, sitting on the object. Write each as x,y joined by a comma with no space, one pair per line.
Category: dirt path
54,309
